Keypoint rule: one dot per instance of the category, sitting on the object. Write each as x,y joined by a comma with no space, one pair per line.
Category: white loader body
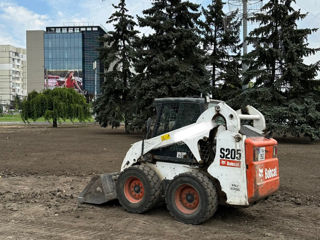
199,156
232,179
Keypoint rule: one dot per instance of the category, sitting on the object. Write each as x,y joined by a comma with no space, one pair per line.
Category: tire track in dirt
62,231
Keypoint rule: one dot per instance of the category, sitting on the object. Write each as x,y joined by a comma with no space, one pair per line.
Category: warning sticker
261,153
229,163
165,137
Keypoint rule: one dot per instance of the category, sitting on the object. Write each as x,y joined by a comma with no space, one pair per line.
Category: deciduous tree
57,104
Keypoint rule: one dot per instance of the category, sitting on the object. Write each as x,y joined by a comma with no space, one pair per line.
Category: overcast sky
17,16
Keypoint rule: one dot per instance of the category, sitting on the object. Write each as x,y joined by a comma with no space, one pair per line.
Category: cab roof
179,100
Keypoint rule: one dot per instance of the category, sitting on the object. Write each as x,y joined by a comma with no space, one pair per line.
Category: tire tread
212,197
155,189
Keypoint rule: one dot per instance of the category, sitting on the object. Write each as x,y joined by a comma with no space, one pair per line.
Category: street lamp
95,78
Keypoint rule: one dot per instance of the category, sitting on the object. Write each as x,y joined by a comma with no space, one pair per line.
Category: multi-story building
13,80
53,54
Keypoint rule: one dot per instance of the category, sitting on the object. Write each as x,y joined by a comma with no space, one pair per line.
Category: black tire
138,188
192,198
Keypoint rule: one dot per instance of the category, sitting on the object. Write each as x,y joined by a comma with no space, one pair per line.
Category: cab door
171,116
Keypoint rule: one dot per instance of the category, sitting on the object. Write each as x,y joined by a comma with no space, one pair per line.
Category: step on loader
197,154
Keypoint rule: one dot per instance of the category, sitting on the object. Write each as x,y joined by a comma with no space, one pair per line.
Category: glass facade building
63,51
90,54
73,49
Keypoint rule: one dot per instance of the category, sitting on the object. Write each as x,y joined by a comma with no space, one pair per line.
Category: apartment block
13,74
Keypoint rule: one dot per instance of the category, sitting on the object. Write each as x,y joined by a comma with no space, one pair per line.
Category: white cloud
21,16
15,20
6,39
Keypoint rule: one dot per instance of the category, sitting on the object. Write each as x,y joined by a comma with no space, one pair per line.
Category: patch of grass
17,118
10,118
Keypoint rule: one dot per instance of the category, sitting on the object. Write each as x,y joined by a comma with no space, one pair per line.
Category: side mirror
148,126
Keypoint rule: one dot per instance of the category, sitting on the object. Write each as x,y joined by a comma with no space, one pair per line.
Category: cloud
6,38
21,16
15,20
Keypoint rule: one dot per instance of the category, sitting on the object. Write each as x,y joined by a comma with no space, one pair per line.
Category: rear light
259,154
275,151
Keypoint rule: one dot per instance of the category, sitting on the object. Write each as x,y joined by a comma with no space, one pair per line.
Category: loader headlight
275,151
259,154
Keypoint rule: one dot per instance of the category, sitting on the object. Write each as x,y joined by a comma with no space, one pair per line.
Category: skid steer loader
197,155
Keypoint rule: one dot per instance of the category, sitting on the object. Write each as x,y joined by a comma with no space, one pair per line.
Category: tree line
193,51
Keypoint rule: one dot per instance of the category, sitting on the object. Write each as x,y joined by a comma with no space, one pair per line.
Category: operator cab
174,113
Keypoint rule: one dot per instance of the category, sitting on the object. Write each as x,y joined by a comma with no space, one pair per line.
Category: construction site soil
44,169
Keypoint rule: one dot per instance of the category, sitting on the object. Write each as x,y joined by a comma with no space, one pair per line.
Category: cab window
167,118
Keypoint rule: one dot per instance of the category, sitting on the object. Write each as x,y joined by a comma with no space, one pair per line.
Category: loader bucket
100,189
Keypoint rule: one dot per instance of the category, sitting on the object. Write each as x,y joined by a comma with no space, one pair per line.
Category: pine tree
279,48
221,42
57,104
114,103
284,86
169,60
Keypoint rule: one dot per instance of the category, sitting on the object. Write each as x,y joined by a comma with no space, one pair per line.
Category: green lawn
17,118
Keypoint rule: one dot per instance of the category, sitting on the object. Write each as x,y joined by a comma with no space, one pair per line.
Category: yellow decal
165,137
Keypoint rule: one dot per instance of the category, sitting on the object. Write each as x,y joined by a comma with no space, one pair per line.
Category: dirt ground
43,170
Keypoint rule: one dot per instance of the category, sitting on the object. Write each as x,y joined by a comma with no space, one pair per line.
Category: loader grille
206,151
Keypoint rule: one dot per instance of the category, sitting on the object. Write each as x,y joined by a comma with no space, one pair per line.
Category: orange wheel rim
187,199
134,189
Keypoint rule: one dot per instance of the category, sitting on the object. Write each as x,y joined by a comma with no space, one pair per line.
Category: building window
64,30
58,30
